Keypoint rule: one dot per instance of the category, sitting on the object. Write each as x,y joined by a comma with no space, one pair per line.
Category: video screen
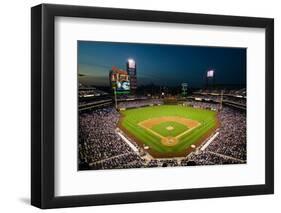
123,85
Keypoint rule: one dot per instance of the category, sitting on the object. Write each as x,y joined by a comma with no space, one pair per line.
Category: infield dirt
169,141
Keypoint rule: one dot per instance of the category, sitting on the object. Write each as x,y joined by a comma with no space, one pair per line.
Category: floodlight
131,63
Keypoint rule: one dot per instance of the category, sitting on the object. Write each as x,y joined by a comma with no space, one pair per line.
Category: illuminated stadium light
131,63
210,73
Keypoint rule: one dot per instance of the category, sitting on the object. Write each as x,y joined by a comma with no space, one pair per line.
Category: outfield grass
131,118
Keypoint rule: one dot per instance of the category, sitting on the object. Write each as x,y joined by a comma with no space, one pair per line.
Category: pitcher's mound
170,128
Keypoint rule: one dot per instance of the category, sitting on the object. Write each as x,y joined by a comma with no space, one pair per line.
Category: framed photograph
139,106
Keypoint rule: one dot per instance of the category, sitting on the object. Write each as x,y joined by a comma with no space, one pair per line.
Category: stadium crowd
209,158
232,96
235,100
232,138
139,103
232,92
202,105
99,145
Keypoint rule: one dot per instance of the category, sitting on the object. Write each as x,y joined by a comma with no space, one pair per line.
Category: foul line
209,141
127,141
183,133
150,130
228,157
161,136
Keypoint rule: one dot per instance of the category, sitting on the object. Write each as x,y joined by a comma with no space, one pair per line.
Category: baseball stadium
127,122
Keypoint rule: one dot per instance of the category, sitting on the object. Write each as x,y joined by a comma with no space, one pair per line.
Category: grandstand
91,98
232,98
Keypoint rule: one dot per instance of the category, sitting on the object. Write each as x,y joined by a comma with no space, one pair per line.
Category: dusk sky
168,65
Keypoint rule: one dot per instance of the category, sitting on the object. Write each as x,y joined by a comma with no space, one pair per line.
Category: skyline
161,64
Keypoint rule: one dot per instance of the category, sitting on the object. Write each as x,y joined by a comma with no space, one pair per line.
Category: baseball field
168,130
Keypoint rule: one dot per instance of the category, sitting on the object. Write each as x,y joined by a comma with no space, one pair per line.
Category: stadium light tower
210,77
132,72
131,62
184,89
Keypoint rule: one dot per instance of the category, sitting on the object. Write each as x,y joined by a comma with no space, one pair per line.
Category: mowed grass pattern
162,128
132,117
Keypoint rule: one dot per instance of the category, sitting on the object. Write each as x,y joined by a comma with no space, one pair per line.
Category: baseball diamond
168,130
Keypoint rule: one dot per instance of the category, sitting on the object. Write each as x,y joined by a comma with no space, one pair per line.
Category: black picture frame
43,102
